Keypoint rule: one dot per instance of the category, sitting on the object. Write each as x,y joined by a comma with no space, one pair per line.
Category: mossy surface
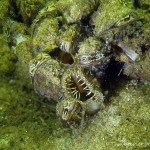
28,9
29,123
45,36
5,10
7,58
139,69
12,29
24,52
110,12
26,121
144,4
74,10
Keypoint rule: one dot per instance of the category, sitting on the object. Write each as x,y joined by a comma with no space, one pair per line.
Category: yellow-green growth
7,58
12,29
4,10
24,52
144,4
110,12
89,46
45,36
28,9
75,10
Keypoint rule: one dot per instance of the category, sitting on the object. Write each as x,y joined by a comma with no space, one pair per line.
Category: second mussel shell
47,79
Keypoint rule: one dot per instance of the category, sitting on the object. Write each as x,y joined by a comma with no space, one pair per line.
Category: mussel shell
46,80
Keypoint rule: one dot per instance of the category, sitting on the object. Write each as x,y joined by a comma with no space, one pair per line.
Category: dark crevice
144,48
136,3
113,78
87,26
66,58
55,53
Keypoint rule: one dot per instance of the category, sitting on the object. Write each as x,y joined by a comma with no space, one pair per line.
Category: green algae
24,117
24,53
74,10
110,12
46,36
90,45
28,9
144,4
12,28
6,10
123,125
7,58
69,37
29,123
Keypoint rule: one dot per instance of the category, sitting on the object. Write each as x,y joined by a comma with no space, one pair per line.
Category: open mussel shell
82,96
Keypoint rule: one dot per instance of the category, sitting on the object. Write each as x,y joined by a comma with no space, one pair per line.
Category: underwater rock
115,38
24,53
143,4
128,39
121,35
64,49
122,124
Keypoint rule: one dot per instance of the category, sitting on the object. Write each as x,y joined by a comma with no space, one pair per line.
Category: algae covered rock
24,52
144,4
7,58
124,124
